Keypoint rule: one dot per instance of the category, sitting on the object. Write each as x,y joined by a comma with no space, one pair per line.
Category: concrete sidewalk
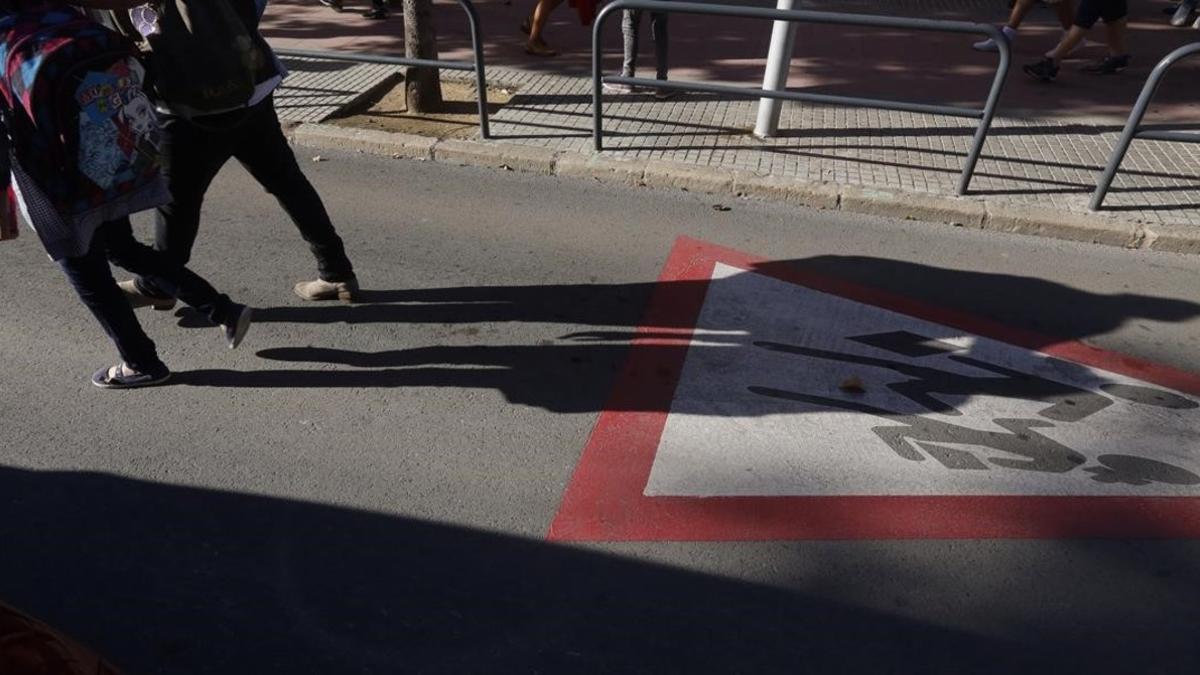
1048,164
846,60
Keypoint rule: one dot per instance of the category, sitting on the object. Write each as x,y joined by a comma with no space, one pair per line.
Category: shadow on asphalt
180,580
183,580
575,372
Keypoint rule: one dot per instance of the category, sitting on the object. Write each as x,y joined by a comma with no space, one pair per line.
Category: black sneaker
376,13
335,5
1045,70
1108,65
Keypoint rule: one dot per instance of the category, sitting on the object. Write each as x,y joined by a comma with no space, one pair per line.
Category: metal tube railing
1133,126
477,65
985,115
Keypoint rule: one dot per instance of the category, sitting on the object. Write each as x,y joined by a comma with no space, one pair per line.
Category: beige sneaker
137,298
327,290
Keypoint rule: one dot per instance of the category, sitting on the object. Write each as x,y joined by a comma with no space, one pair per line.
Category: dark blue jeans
197,150
93,281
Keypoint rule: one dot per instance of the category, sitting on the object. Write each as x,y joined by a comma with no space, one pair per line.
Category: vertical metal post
787,17
779,59
485,130
1135,121
1118,153
598,80
989,109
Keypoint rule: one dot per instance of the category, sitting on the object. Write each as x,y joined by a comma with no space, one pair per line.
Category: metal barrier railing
985,115
477,65
1133,126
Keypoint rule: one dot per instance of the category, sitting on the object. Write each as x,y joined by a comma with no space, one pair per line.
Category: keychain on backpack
145,19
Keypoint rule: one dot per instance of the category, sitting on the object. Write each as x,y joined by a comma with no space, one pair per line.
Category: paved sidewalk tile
1040,162
316,89
1031,162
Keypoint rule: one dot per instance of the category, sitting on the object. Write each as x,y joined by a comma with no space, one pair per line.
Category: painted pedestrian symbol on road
812,408
1068,404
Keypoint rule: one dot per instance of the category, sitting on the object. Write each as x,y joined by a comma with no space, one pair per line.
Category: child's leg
1069,42
1019,11
127,252
1115,14
541,14
93,281
1115,31
1066,13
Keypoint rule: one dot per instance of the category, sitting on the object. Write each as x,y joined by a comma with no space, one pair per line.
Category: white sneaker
327,290
988,45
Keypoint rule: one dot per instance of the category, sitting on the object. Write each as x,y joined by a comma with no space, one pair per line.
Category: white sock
1009,32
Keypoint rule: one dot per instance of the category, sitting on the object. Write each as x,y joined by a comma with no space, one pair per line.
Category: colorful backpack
82,131
8,197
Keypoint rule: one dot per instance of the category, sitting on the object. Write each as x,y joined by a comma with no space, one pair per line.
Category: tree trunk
422,87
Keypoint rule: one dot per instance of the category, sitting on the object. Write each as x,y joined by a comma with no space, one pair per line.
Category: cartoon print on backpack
118,128
141,122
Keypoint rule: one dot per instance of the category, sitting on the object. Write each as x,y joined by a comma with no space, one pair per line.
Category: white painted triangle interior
771,408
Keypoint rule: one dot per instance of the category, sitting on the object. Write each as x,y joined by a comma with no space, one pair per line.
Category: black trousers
1091,11
197,149
96,287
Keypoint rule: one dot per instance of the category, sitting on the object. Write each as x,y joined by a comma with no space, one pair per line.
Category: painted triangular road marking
802,407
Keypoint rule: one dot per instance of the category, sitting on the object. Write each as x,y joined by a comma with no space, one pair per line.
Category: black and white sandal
121,376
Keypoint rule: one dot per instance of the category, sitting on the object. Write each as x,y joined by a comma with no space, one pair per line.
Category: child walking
86,143
1114,13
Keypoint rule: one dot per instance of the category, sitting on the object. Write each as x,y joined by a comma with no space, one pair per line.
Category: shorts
1091,11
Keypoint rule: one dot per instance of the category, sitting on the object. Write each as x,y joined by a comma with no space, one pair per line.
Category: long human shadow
182,580
574,371
1059,310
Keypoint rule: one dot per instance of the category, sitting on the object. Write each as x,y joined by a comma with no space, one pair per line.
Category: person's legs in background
536,44
1066,13
1118,56
1065,9
1114,13
631,27
1115,32
658,28
631,22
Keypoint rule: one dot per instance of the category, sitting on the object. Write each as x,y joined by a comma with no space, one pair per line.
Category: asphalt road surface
368,488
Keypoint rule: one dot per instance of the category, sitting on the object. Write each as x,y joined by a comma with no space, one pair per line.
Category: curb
660,174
